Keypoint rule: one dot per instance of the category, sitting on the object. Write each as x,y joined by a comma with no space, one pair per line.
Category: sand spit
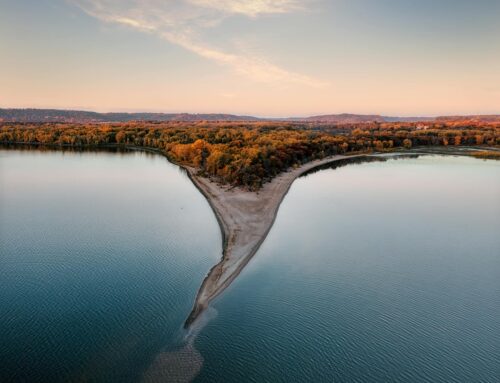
245,218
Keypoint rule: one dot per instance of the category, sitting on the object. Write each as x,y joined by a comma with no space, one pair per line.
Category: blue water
101,255
375,272
379,272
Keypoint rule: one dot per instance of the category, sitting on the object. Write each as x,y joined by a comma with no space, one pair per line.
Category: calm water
379,272
376,272
101,256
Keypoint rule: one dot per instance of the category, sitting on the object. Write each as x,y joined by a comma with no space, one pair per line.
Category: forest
250,153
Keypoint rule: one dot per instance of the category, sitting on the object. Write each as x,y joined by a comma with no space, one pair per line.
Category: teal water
379,272
375,272
101,255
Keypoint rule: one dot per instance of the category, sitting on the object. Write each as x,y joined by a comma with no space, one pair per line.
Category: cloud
182,22
250,7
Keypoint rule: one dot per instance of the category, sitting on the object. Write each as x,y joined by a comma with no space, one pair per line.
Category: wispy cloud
182,22
250,7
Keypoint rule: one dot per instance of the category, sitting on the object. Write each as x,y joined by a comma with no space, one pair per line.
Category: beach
245,218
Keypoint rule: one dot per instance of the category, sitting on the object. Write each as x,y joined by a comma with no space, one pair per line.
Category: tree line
251,153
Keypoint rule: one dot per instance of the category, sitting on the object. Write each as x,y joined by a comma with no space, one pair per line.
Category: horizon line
298,116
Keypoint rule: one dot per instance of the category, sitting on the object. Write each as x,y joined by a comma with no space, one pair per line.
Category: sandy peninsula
245,218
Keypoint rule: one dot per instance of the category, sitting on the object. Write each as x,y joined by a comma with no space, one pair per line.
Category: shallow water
101,256
379,272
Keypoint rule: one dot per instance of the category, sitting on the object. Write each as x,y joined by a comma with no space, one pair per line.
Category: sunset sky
258,57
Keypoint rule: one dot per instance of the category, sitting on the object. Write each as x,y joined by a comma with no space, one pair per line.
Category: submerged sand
245,218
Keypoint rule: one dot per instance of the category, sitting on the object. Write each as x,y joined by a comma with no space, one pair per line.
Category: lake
374,272
378,272
101,257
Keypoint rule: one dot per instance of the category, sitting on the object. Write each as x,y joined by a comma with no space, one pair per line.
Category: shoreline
245,217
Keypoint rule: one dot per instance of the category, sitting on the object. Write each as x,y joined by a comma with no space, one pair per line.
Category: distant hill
79,116
408,119
345,118
474,118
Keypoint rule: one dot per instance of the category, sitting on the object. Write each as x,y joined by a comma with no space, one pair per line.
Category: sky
254,57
